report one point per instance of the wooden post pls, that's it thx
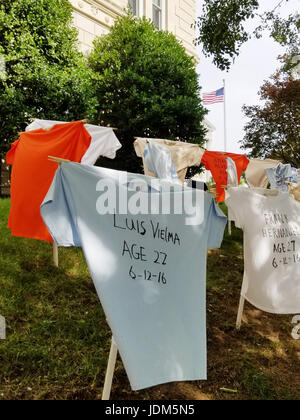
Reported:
(55, 254)
(240, 313)
(110, 371)
(229, 227)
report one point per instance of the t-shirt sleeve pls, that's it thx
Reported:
(58, 214)
(104, 143)
(217, 223)
(235, 201)
(10, 155)
(113, 145)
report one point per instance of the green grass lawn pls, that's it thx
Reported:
(58, 340)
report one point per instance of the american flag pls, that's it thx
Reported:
(213, 97)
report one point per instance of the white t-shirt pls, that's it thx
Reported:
(103, 140)
(294, 190)
(271, 226)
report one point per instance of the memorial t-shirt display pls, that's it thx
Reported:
(149, 269)
(32, 173)
(271, 224)
(216, 163)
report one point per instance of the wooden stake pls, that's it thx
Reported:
(229, 227)
(55, 255)
(57, 160)
(240, 313)
(110, 371)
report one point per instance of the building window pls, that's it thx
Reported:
(134, 7)
(137, 7)
(158, 13)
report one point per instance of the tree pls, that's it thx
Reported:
(222, 28)
(42, 72)
(146, 86)
(273, 129)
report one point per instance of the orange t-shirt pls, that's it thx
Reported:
(33, 173)
(216, 163)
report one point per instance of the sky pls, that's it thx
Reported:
(257, 61)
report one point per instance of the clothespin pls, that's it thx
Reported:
(57, 159)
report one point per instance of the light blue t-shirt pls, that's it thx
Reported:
(159, 160)
(280, 174)
(149, 269)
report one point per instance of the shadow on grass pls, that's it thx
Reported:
(58, 339)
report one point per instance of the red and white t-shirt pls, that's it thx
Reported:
(217, 164)
(32, 172)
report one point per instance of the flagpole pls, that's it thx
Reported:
(225, 122)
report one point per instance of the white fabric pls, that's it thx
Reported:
(232, 181)
(44, 124)
(294, 190)
(159, 160)
(103, 140)
(232, 178)
(271, 224)
(104, 143)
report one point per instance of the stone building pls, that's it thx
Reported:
(94, 17)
